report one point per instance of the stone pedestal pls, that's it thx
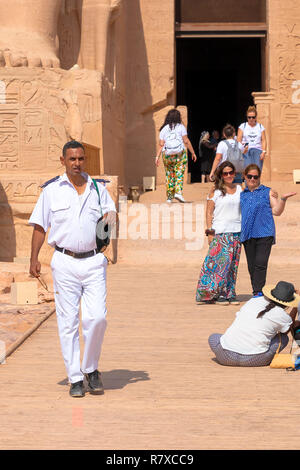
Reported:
(40, 110)
(263, 102)
(18, 196)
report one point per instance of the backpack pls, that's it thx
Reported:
(173, 143)
(235, 156)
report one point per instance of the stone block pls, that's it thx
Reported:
(149, 183)
(22, 260)
(24, 293)
(296, 176)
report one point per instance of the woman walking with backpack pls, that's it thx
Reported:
(173, 141)
(229, 150)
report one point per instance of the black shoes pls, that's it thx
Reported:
(94, 382)
(77, 390)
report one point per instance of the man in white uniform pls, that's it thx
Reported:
(69, 205)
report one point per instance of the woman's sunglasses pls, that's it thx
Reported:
(251, 117)
(249, 177)
(228, 173)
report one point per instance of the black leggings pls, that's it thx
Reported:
(257, 253)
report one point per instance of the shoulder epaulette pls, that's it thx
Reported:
(102, 180)
(49, 181)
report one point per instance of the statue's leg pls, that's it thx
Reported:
(28, 33)
(96, 15)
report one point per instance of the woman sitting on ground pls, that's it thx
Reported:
(223, 219)
(253, 339)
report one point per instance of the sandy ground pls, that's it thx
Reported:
(163, 389)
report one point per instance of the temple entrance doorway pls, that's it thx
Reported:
(215, 79)
(220, 60)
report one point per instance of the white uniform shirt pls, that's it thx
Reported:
(72, 218)
(227, 212)
(251, 335)
(223, 149)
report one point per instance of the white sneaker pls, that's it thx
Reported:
(179, 198)
(169, 201)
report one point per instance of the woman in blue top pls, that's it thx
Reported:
(258, 206)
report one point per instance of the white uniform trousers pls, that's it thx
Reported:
(74, 280)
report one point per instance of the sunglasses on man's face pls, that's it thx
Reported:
(251, 117)
(249, 177)
(228, 173)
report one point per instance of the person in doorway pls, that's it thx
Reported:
(223, 219)
(206, 155)
(259, 204)
(215, 138)
(222, 151)
(173, 141)
(259, 328)
(253, 136)
(69, 205)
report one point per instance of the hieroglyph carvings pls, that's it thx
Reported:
(288, 55)
(31, 122)
(39, 113)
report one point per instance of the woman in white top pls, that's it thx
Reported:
(223, 218)
(173, 141)
(253, 136)
(258, 329)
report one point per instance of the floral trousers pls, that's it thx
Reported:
(174, 168)
(219, 271)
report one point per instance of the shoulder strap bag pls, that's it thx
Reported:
(283, 360)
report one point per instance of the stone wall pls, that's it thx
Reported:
(149, 82)
(279, 108)
(40, 109)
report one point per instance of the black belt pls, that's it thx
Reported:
(85, 254)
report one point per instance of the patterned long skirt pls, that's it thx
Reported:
(219, 271)
(174, 168)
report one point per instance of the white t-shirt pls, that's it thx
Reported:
(252, 135)
(72, 226)
(222, 148)
(251, 335)
(227, 213)
(179, 129)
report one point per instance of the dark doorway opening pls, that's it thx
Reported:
(215, 79)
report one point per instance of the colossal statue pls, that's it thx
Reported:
(45, 99)
(97, 16)
(28, 33)
(29, 30)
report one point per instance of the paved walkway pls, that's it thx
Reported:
(163, 389)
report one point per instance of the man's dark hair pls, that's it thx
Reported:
(228, 131)
(73, 144)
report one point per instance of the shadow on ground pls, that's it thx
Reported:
(118, 378)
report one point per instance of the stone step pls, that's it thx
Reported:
(198, 191)
(152, 231)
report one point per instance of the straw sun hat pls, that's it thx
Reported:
(283, 293)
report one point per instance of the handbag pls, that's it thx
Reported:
(283, 360)
(103, 229)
